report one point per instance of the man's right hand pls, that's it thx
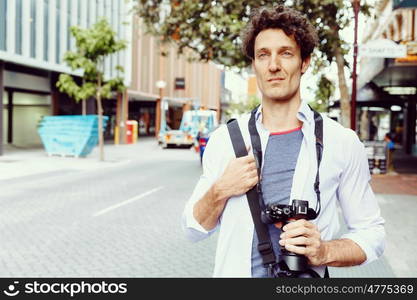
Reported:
(239, 176)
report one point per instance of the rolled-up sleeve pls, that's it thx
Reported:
(358, 202)
(193, 230)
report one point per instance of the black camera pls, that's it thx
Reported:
(290, 263)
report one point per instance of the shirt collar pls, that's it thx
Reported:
(304, 114)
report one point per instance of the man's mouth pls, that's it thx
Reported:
(276, 79)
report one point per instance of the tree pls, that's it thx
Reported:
(212, 29)
(330, 17)
(238, 108)
(323, 94)
(93, 45)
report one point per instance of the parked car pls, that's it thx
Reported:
(193, 123)
(177, 138)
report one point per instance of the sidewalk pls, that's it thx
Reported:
(17, 162)
(397, 196)
(403, 181)
(395, 184)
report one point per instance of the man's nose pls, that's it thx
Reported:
(274, 64)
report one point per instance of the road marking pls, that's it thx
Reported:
(106, 210)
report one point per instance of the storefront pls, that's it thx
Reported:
(26, 99)
(389, 68)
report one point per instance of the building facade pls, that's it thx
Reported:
(390, 83)
(35, 34)
(186, 84)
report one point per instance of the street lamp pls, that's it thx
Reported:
(160, 84)
(356, 6)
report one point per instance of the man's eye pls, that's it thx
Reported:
(261, 55)
(287, 53)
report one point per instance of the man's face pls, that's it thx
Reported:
(278, 65)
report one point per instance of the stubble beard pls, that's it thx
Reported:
(287, 97)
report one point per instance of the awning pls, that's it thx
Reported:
(141, 96)
(180, 101)
(370, 95)
(397, 75)
(404, 3)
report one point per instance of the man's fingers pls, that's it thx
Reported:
(296, 249)
(253, 173)
(298, 223)
(254, 182)
(297, 241)
(248, 159)
(296, 232)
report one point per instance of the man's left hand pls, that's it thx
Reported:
(303, 237)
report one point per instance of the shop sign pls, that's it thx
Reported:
(383, 48)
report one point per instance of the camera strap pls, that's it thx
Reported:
(254, 195)
(264, 245)
(257, 152)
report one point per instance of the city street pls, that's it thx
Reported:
(122, 218)
(120, 222)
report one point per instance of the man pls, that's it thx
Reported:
(280, 41)
(390, 148)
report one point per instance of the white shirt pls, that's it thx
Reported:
(344, 179)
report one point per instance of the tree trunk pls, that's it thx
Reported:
(344, 93)
(83, 107)
(84, 103)
(100, 129)
(100, 122)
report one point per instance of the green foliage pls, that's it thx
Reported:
(93, 46)
(242, 107)
(323, 93)
(212, 28)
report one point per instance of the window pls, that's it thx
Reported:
(33, 28)
(68, 25)
(88, 14)
(18, 27)
(3, 24)
(57, 32)
(79, 13)
(45, 29)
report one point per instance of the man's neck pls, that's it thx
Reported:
(280, 115)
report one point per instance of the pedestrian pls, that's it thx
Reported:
(390, 148)
(279, 41)
(373, 130)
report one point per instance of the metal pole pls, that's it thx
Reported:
(356, 5)
(1, 105)
(158, 113)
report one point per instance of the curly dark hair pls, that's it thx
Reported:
(292, 22)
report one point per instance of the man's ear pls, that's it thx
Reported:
(305, 64)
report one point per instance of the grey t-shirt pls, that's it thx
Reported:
(279, 164)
